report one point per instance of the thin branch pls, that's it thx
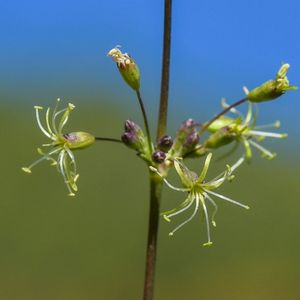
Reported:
(108, 139)
(223, 112)
(138, 94)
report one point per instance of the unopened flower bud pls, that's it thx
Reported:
(272, 89)
(134, 136)
(192, 140)
(221, 122)
(158, 156)
(130, 126)
(188, 124)
(220, 138)
(127, 67)
(165, 143)
(79, 140)
(128, 138)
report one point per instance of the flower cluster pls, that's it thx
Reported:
(188, 142)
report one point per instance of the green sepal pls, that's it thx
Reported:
(220, 138)
(223, 121)
(131, 74)
(78, 140)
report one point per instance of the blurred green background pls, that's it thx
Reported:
(93, 246)
(54, 247)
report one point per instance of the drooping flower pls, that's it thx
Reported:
(61, 144)
(199, 192)
(242, 130)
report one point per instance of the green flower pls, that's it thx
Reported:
(61, 144)
(199, 193)
(272, 89)
(242, 130)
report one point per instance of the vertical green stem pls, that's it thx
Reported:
(155, 181)
(155, 195)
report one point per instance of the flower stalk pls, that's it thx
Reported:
(155, 181)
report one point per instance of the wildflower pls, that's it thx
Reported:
(61, 144)
(272, 89)
(242, 130)
(199, 193)
(127, 67)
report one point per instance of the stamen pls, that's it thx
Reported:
(209, 242)
(72, 157)
(65, 117)
(37, 108)
(267, 134)
(48, 123)
(61, 166)
(227, 199)
(249, 114)
(187, 205)
(189, 219)
(205, 168)
(276, 124)
(167, 182)
(41, 152)
(248, 151)
(237, 164)
(265, 152)
(45, 157)
(215, 209)
(54, 116)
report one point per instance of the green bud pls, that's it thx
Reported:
(221, 122)
(272, 89)
(127, 67)
(220, 138)
(79, 140)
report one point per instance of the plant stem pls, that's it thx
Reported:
(206, 125)
(155, 181)
(108, 139)
(165, 72)
(138, 94)
(155, 195)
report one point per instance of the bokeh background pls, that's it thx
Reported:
(53, 247)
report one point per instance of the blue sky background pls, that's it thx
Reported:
(56, 48)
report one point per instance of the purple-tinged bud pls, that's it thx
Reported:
(130, 126)
(128, 138)
(188, 124)
(192, 140)
(133, 137)
(165, 143)
(158, 156)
